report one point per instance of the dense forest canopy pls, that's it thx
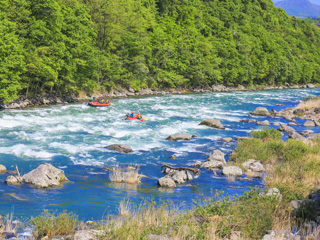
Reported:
(64, 46)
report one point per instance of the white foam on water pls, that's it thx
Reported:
(28, 151)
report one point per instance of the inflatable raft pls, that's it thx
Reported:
(97, 104)
(135, 117)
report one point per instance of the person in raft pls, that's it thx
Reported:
(132, 115)
(128, 115)
(139, 116)
(107, 101)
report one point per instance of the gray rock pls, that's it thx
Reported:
(2, 168)
(166, 182)
(274, 192)
(253, 165)
(120, 148)
(261, 111)
(90, 234)
(310, 85)
(314, 135)
(263, 123)
(14, 180)
(181, 176)
(158, 237)
(306, 132)
(295, 135)
(212, 123)
(45, 176)
(295, 204)
(280, 235)
(216, 155)
(252, 121)
(232, 171)
(276, 124)
(284, 128)
(227, 139)
(211, 165)
(292, 124)
(299, 111)
(273, 112)
(179, 137)
(309, 124)
(250, 173)
(316, 123)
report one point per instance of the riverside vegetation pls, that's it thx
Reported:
(292, 167)
(66, 46)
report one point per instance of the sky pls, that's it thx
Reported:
(313, 1)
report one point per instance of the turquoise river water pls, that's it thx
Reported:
(72, 138)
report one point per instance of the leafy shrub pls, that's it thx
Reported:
(48, 224)
(266, 133)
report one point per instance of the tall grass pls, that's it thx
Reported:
(310, 103)
(125, 175)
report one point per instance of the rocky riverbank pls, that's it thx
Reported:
(48, 99)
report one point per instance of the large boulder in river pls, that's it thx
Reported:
(212, 123)
(120, 148)
(166, 182)
(45, 176)
(214, 161)
(285, 128)
(2, 168)
(232, 171)
(263, 123)
(309, 124)
(179, 137)
(216, 155)
(261, 111)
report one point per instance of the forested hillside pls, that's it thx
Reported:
(64, 46)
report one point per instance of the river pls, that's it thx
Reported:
(72, 138)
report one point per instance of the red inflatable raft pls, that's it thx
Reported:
(135, 117)
(97, 104)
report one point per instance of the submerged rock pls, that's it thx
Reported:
(120, 148)
(232, 171)
(45, 176)
(179, 137)
(261, 111)
(212, 123)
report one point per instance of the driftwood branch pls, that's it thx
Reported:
(195, 171)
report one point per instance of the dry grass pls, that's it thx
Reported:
(124, 208)
(309, 104)
(7, 225)
(125, 175)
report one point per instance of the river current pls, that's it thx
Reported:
(72, 138)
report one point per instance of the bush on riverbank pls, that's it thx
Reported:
(293, 165)
(50, 224)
